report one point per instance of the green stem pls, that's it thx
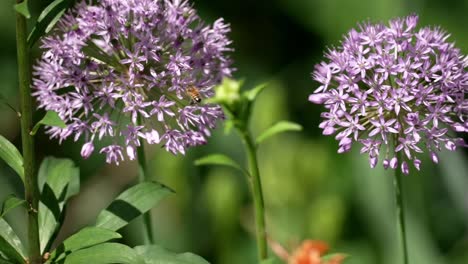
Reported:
(30, 185)
(142, 175)
(257, 195)
(400, 206)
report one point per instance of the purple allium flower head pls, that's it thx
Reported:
(120, 69)
(394, 89)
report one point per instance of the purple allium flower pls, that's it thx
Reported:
(394, 89)
(120, 69)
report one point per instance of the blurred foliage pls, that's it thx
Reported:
(310, 190)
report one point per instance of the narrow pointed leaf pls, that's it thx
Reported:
(132, 203)
(219, 159)
(280, 127)
(86, 237)
(47, 19)
(253, 93)
(10, 154)
(23, 9)
(56, 178)
(10, 244)
(10, 203)
(51, 118)
(154, 254)
(104, 254)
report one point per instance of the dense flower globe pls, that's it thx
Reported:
(132, 70)
(394, 89)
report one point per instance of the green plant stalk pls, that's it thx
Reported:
(400, 208)
(256, 193)
(30, 185)
(142, 172)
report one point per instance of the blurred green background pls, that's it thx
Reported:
(310, 190)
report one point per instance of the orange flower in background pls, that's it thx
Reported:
(309, 252)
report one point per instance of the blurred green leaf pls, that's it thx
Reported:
(228, 126)
(132, 203)
(154, 254)
(280, 127)
(10, 203)
(103, 254)
(10, 154)
(219, 159)
(10, 244)
(51, 118)
(254, 92)
(86, 237)
(269, 261)
(58, 180)
(23, 9)
(47, 19)
(454, 170)
(329, 257)
(4, 261)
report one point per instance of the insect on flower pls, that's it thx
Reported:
(117, 71)
(194, 94)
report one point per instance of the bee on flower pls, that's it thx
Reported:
(117, 71)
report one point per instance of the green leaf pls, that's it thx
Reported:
(86, 237)
(254, 92)
(103, 254)
(154, 254)
(228, 126)
(10, 244)
(47, 19)
(51, 118)
(4, 261)
(269, 261)
(454, 167)
(335, 255)
(57, 182)
(132, 203)
(280, 127)
(11, 156)
(219, 159)
(23, 9)
(10, 203)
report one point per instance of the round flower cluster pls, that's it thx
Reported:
(394, 89)
(133, 71)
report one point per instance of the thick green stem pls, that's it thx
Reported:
(400, 208)
(30, 185)
(257, 195)
(142, 172)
